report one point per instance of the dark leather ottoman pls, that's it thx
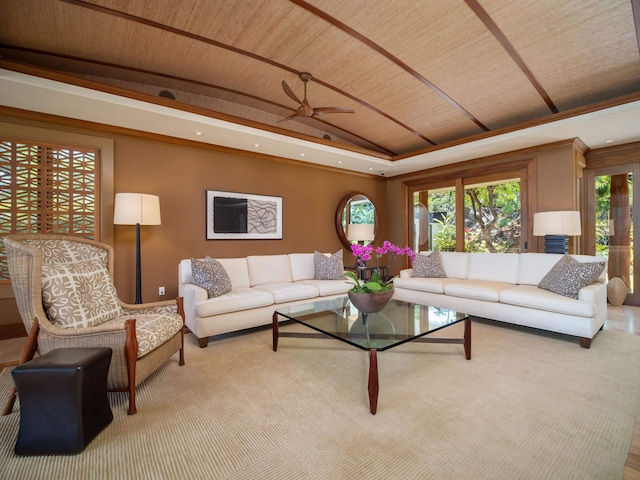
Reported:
(63, 400)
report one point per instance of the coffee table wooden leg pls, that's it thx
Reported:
(274, 329)
(373, 381)
(467, 338)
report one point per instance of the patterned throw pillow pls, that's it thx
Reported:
(568, 276)
(328, 268)
(210, 275)
(77, 295)
(428, 266)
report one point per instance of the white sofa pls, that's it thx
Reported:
(504, 287)
(260, 284)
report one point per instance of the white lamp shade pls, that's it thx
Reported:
(133, 208)
(556, 223)
(360, 232)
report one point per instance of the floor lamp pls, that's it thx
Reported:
(556, 228)
(137, 209)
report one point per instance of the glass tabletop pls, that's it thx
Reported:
(397, 323)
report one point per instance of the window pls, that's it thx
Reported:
(492, 217)
(475, 210)
(47, 188)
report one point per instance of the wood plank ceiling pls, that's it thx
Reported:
(417, 73)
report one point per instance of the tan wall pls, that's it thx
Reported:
(180, 175)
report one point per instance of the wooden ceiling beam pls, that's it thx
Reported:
(635, 6)
(374, 46)
(199, 38)
(485, 18)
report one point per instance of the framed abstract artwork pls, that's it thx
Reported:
(243, 216)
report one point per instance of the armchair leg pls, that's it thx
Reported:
(180, 302)
(28, 351)
(131, 354)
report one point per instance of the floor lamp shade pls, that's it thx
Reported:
(556, 227)
(137, 209)
(133, 208)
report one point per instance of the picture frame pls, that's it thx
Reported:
(243, 216)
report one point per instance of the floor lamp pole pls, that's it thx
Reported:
(138, 276)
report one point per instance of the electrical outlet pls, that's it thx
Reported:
(161, 291)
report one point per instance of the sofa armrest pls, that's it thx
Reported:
(596, 293)
(593, 293)
(406, 273)
(193, 294)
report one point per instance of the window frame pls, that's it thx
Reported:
(524, 169)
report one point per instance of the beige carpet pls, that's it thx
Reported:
(527, 406)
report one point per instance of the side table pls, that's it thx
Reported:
(63, 400)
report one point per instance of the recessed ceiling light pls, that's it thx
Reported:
(198, 133)
(609, 141)
(302, 154)
(340, 162)
(256, 145)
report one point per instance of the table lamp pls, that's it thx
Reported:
(556, 228)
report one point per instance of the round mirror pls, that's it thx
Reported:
(356, 208)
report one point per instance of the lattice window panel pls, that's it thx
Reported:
(47, 188)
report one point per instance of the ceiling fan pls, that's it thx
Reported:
(306, 110)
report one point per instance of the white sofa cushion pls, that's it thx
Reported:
(269, 269)
(534, 266)
(455, 264)
(329, 287)
(493, 267)
(237, 299)
(476, 289)
(289, 292)
(423, 284)
(302, 266)
(533, 297)
(238, 271)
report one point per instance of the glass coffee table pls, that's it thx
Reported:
(398, 323)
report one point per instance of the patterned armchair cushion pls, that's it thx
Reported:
(67, 251)
(210, 275)
(152, 330)
(77, 295)
(328, 268)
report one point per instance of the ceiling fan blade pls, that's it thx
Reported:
(298, 113)
(325, 110)
(289, 92)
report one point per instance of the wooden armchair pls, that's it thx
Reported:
(64, 290)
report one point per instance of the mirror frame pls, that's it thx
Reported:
(342, 235)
